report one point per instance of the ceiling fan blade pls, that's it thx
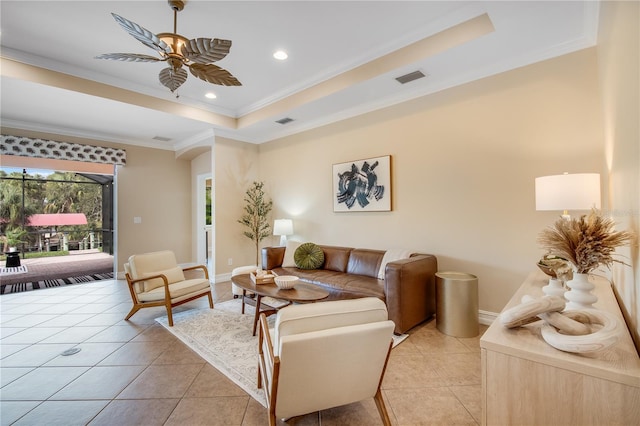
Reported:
(129, 57)
(206, 50)
(173, 78)
(143, 35)
(214, 74)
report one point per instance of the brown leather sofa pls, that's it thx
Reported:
(408, 289)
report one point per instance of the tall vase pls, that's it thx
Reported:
(579, 295)
(554, 288)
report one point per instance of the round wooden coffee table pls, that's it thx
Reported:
(301, 293)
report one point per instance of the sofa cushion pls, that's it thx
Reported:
(365, 262)
(289, 252)
(308, 256)
(336, 258)
(178, 290)
(173, 275)
(338, 284)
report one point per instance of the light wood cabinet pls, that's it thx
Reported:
(525, 381)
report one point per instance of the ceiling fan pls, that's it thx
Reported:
(178, 51)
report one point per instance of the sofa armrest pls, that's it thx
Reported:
(410, 290)
(272, 257)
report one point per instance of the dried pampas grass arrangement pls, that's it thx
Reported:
(586, 242)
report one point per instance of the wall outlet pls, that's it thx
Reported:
(137, 219)
(230, 262)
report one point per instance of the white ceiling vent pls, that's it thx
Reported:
(161, 138)
(284, 120)
(404, 79)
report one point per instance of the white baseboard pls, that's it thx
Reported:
(223, 277)
(486, 317)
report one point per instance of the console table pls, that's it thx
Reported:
(525, 381)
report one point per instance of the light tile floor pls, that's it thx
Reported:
(136, 372)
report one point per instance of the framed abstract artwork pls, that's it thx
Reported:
(362, 185)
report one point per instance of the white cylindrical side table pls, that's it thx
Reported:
(457, 304)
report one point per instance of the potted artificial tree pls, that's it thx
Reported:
(256, 210)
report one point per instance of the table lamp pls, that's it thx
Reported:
(283, 227)
(579, 191)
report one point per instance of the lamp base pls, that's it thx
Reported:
(283, 240)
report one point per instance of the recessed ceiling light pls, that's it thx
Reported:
(210, 95)
(280, 55)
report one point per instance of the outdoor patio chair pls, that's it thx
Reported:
(156, 279)
(323, 355)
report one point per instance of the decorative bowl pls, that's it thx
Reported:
(285, 282)
(547, 269)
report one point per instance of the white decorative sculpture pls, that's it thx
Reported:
(528, 311)
(597, 341)
(580, 295)
(554, 288)
(575, 331)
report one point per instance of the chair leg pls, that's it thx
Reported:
(257, 314)
(133, 310)
(210, 300)
(381, 408)
(170, 316)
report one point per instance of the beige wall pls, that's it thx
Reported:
(619, 59)
(236, 167)
(463, 168)
(155, 187)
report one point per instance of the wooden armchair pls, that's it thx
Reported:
(324, 355)
(156, 279)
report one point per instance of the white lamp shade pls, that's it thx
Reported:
(580, 191)
(283, 227)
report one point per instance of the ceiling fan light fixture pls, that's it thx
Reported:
(175, 41)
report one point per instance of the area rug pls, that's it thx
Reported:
(223, 337)
(13, 270)
(36, 285)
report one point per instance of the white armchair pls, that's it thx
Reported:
(324, 355)
(156, 279)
